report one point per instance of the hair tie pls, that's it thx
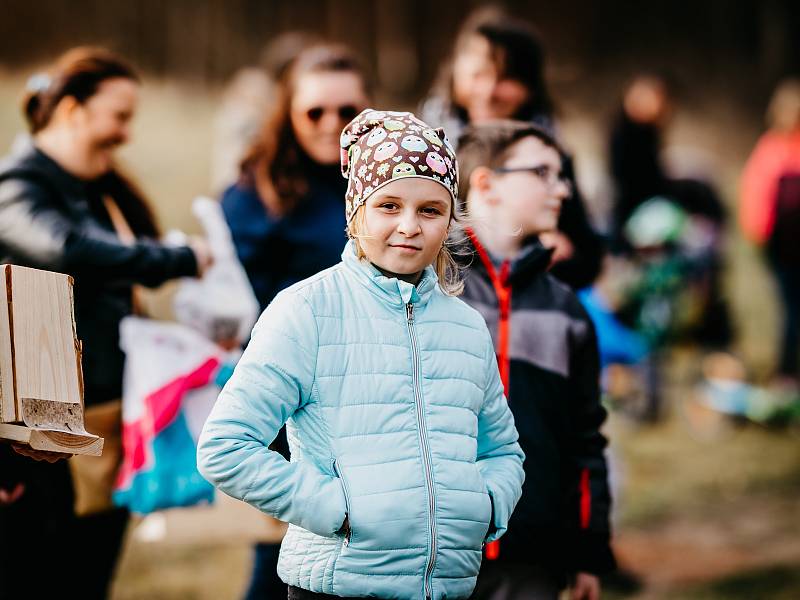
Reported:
(38, 83)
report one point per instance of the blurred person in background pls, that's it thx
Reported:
(246, 99)
(65, 206)
(497, 72)
(286, 210)
(640, 175)
(635, 148)
(769, 212)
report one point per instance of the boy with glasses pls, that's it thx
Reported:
(513, 189)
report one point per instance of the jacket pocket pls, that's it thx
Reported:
(488, 505)
(348, 532)
(490, 528)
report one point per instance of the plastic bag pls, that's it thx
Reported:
(221, 305)
(172, 378)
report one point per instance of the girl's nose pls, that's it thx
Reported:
(409, 225)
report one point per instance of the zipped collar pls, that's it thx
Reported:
(533, 260)
(390, 290)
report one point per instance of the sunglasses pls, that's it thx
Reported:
(346, 112)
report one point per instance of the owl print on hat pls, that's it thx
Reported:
(379, 146)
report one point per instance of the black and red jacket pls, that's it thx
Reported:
(548, 359)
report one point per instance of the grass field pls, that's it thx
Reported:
(693, 520)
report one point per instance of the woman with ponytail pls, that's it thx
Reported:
(65, 206)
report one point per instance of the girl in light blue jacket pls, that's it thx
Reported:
(404, 453)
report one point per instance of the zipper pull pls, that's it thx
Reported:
(410, 312)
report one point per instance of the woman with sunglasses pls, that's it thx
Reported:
(286, 211)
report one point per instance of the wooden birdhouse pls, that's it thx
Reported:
(41, 384)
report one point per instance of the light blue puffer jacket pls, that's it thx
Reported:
(395, 417)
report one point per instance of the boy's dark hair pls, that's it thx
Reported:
(487, 144)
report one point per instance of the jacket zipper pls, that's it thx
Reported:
(423, 434)
(349, 531)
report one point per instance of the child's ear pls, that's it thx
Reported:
(481, 180)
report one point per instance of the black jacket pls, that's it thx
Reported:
(583, 267)
(562, 521)
(52, 220)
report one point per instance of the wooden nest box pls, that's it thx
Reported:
(41, 383)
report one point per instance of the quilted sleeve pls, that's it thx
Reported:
(272, 380)
(499, 455)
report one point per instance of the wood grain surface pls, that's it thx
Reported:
(53, 441)
(8, 408)
(44, 336)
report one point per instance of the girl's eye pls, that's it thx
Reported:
(388, 206)
(430, 210)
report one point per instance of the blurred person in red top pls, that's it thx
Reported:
(769, 211)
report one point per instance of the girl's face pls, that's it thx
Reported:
(406, 222)
(101, 125)
(322, 104)
(480, 86)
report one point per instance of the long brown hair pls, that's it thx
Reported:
(78, 74)
(518, 54)
(273, 163)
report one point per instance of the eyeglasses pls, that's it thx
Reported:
(345, 112)
(548, 176)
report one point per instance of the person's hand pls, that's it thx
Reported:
(560, 244)
(50, 457)
(586, 587)
(10, 496)
(229, 343)
(202, 253)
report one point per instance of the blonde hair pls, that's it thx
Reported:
(447, 270)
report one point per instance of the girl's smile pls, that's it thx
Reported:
(406, 248)
(405, 224)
